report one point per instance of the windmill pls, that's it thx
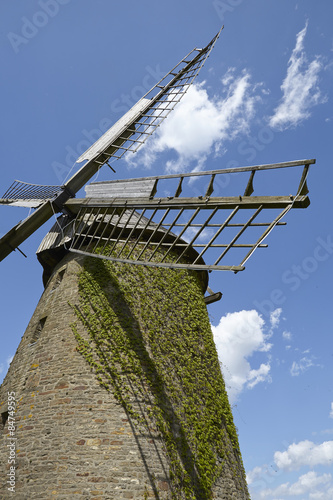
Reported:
(118, 389)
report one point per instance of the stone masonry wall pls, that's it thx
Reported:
(79, 435)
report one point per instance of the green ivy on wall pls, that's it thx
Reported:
(150, 343)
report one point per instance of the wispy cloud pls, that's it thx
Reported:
(275, 318)
(203, 124)
(286, 335)
(301, 366)
(238, 336)
(300, 87)
(331, 413)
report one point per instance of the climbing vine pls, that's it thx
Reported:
(149, 340)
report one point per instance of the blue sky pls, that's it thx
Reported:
(71, 68)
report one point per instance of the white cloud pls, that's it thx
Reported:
(287, 336)
(275, 318)
(300, 367)
(8, 361)
(238, 336)
(308, 484)
(322, 495)
(201, 124)
(300, 88)
(205, 235)
(331, 413)
(255, 474)
(304, 453)
(327, 431)
(259, 375)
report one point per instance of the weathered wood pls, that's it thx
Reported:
(23, 230)
(214, 297)
(115, 131)
(244, 202)
(135, 189)
(132, 190)
(270, 166)
(21, 203)
(194, 267)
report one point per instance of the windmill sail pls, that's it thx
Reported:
(152, 109)
(128, 221)
(24, 194)
(128, 134)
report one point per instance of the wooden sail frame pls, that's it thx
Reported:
(113, 223)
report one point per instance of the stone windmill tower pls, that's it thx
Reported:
(115, 391)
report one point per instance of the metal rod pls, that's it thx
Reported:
(17, 248)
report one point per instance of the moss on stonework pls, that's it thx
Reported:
(151, 345)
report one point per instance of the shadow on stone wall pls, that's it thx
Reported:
(147, 337)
